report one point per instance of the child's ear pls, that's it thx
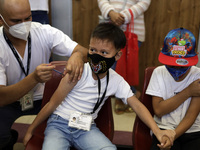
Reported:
(118, 55)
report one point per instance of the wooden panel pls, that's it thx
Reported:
(85, 19)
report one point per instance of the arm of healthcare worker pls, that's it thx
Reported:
(12, 93)
(76, 62)
(61, 92)
(146, 117)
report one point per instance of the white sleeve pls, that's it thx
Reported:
(154, 87)
(2, 75)
(3, 58)
(105, 8)
(59, 42)
(138, 9)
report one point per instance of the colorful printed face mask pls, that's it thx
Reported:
(100, 64)
(177, 73)
(20, 30)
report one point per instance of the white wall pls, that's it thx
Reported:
(61, 18)
(61, 15)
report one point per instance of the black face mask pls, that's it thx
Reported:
(100, 64)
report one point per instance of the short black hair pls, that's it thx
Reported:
(110, 32)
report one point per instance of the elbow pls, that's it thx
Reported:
(158, 113)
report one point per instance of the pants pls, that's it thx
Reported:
(40, 16)
(59, 136)
(187, 141)
(9, 114)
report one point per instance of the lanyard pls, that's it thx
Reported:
(99, 101)
(17, 56)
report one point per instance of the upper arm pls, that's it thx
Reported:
(132, 101)
(63, 89)
(155, 104)
(135, 104)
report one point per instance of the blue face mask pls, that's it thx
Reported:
(177, 73)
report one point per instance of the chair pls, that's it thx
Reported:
(104, 120)
(141, 133)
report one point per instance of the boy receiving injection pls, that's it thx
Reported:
(74, 106)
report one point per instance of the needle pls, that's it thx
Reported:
(58, 72)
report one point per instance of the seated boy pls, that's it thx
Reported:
(175, 103)
(83, 99)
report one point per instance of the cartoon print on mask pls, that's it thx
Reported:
(100, 64)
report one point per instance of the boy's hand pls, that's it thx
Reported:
(194, 88)
(169, 133)
(165, 143)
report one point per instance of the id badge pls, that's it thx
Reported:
(80, 121)
(27, 101)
